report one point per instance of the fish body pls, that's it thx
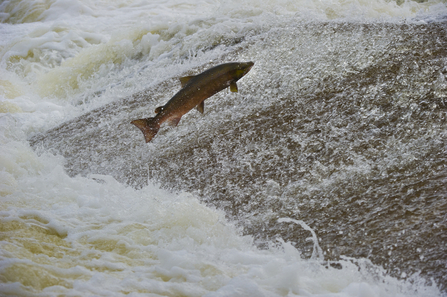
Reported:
(195, 89)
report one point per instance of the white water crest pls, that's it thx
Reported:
(76, 227)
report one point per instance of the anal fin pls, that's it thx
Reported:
(174, 121)
(201, 106)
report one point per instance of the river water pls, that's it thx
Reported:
(325, 175)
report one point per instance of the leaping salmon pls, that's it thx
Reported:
(195, 89)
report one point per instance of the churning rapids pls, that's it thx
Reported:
(340, 126)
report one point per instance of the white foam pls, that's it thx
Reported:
(95, 236)
(150, 240)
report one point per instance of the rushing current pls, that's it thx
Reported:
(324, 175)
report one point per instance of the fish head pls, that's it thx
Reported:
(242, 69)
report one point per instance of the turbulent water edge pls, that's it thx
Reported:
(342, 125)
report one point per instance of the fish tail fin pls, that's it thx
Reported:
(148, 126)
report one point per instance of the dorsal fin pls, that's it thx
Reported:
(184, 80)
(201, 106)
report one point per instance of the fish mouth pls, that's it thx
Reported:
(248, 66)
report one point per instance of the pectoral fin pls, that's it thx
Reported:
(201, 106)
(233, 86)
(184, 80)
